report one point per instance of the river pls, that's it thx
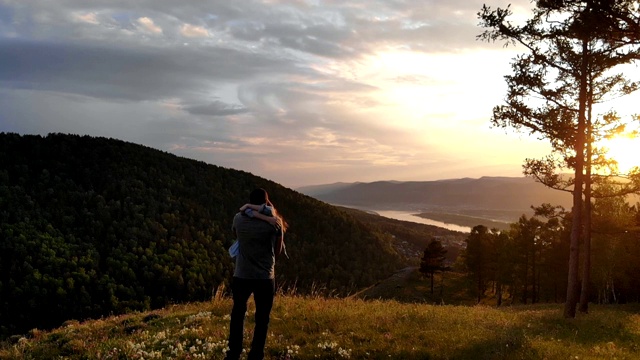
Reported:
(408, 216)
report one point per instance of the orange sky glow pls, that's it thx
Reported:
(299, 92)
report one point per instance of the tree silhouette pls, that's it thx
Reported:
(477, 258)
(573, 48)
(433, 260)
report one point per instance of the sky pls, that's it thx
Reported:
(301, 92)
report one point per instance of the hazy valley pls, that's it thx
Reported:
(489, 201)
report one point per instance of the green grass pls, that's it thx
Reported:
(326, 328)
(409, 285)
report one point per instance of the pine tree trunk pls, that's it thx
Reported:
(586, 260)
(480, 292)
(576, 211)
(525, 279)
(432, 275)
(534, 293)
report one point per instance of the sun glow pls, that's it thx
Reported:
(431, 95)
(625, 150)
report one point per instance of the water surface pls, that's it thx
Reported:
(408, 216)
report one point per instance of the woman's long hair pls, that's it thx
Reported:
(260, 196)
(281, 221)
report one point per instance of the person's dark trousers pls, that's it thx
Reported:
(263, 293)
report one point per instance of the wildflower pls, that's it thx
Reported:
(344, 353)
(327, 345)
(161, 335)
(293, 349)
(200, 315)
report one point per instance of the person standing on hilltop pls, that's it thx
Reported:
(259, 243)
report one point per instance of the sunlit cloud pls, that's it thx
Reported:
(147, 25)
(89, 18)
(192, 31)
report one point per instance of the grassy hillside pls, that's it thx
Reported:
(410, 286)
(94, 226)
(321, 328)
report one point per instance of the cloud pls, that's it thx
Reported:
(89, 18)
(147, 25)
(296, 91)
(126, 73)
(216, 108)
(192, 31)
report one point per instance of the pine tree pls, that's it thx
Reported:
(573, 48)
(433, 260)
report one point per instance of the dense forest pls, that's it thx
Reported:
(94, 226)
(528, 263)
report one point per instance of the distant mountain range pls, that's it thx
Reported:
(486, 193)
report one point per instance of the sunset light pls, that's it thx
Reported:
(625, 150)
(386, 179)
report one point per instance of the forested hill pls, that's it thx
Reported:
(497, 193)
(94, 226)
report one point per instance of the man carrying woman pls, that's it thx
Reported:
(259, 244)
